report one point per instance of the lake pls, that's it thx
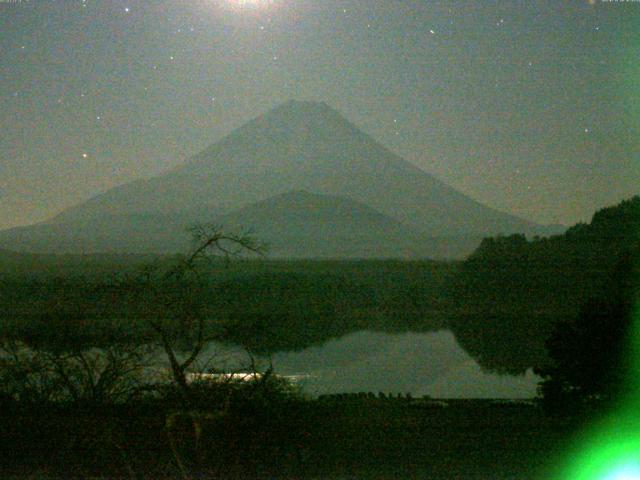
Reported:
(417, 363)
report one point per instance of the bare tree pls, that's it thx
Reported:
(209, 241)
(111, 374)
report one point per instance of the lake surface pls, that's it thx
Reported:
(417, 363)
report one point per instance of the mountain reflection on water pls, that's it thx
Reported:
(417, 363)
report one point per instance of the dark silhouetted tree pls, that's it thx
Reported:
(510, 293)
(591, 356)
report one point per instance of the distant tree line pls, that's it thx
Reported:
(561, 304)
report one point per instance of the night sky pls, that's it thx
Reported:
(532, 107)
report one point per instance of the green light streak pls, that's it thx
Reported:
(610, 450)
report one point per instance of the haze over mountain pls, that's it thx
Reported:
(358, 194)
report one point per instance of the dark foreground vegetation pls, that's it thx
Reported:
(272, 434)
(96, 355)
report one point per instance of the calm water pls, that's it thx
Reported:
(417, 363)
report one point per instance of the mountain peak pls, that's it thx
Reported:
(300, 145)
(295, 128)
(308, 106)
(296, 112)
(295, 103)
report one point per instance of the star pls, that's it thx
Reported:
(127, 9)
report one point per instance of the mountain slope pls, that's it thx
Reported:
(294, 225)
(300, 224)
(304, 146)
(296, 146)
(137, 233)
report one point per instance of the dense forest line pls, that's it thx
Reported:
(511, 291)
(501, 303)
(265, 305)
